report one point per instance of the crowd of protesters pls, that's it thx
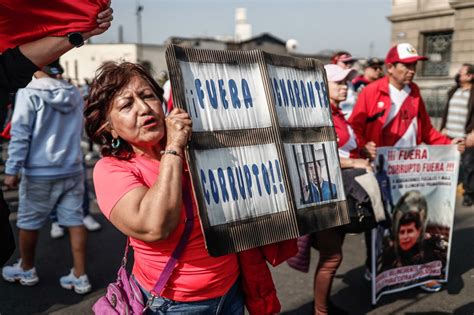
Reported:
(142, 181)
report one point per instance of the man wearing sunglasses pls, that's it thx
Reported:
(345, 60)
(372, 71)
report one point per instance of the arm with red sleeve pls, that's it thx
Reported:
(24, 21)
(41, 35)
(429, 134)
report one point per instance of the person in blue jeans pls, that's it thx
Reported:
(230, 303)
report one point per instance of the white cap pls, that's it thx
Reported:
(335, 73)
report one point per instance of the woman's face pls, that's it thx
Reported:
(337, 91)
(408, 235)
(136, 114)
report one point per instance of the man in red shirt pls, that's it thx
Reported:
(391, 111)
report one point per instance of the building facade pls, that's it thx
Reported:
(442, 30)
(81, 64)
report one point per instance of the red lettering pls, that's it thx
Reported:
(433, 167)
(413, 154)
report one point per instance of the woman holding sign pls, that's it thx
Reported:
(143, 188)
(329, 242)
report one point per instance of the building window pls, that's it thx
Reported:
(437, 47)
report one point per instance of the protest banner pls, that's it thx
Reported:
(263, 153)
(419, 189)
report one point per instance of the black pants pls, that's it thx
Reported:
(7, 241)
(467, 172)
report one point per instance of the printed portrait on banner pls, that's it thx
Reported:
(419, 190)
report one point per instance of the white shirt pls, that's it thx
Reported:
(397, 97)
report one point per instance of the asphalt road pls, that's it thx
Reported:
(350, 291)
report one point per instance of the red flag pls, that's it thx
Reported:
(23, 21)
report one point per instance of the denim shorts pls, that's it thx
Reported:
(231, 303)
(38, 197)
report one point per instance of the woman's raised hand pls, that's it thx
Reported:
(178, 129)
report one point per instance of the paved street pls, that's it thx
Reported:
(350, 290)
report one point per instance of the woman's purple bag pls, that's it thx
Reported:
(122, 296)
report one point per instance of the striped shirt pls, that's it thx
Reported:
(457, 113)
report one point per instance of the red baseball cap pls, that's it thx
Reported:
(344, 57)
(404, 53)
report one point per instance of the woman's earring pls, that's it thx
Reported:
(115, 143)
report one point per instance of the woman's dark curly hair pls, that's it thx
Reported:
(110, 79)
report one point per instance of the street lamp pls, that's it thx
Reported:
(139, 22)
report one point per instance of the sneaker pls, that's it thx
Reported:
(80, 285)
(15, 272)
(432, 286)
(367, 275)
(91, 224)
(467, 201)
(56, 230)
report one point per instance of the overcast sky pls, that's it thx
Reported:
(317, 25)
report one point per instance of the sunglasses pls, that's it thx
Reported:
(376, 67)
(350, 62)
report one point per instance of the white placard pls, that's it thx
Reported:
(419, 188)
(300, 97)
(224, 97)
(241, 183)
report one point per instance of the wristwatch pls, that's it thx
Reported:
(76, 39)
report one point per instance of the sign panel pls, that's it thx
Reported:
(241, 183)
(314, 180)
(419, 188)
(224, 97)
(300, 97)
(263, 153)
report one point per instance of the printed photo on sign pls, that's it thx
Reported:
(224, 97)
(419, 190)
(241, 182)
(314, 175)
(300, 97)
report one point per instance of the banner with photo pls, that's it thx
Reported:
(263, 153)
(419, 189)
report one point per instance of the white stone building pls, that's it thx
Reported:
(82, 63)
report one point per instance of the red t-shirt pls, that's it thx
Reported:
(197, 276)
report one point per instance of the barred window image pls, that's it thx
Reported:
(437, 47)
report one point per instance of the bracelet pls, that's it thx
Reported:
(173, 152)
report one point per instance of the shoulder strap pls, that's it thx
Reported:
(178, 251)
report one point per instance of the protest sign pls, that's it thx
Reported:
(263, 153)
(419, 189)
